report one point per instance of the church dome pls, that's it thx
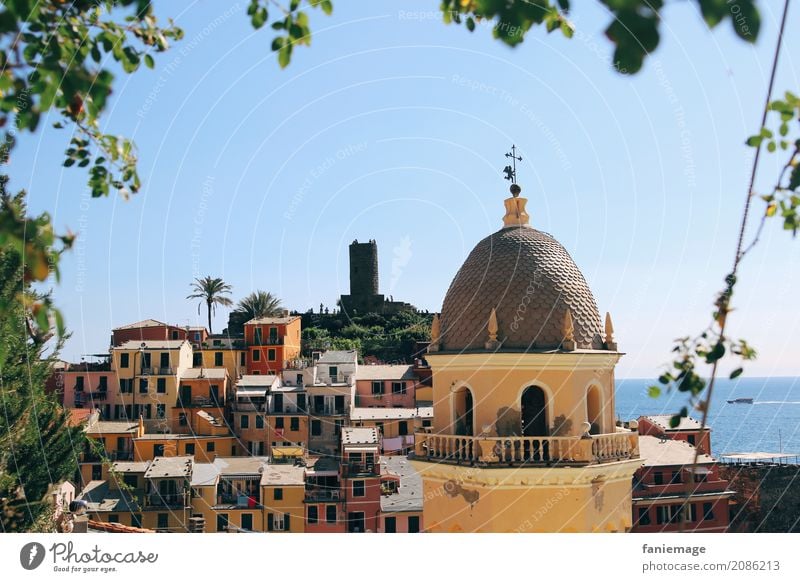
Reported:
(531, 281)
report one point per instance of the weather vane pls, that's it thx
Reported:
(511, 171)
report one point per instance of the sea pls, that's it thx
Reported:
(771, 424)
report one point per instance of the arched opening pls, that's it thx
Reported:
(534, 416)
(594, 409)
(463, 412)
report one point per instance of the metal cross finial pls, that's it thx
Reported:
(511, 171)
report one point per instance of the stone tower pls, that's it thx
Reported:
(363, 269)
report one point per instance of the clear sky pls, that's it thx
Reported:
(393, 126)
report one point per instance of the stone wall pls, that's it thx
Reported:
(767, 497)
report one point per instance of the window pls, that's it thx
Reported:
(131, 481)
(124, 360)
(294, 423)
(644, 516)
(79, 384)
(217, 358)
(189, 448)
(330, 513)
(247, 521)
(257, 336)
(286, 521)
(244, 421)
(163, 521)
(256, 355)
(277, 494)
(97, 472)
(113, 518)
(676, 477)
(136, 520)
(708, 511)
(161, 411)
(259, 421)
(398, 387)
(164, 365)
(316, 428)
(358, 489)
(413, 524)
(313, 514)
(242, 359)
(377, 387)
(690, 439)
(222, 522)
(197, 336)
(103, 384)
(161, 385)
(403, 427)
(197, 360)
(279, 422)
(174, 334)
(333, 371)
(390, 525)
(142, 386)
(213, 392)
(658, 478)
(210, 446)
(126, 385)
(271, 355)
(182, 420)
(158, 450)
(662, 514)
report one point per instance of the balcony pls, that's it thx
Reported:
(121, 455)
(513, 450)
(167, 500)
(322, 494)
(328, 411)
(269, 341)
(199, 402)
(357, 469)
(238, 500)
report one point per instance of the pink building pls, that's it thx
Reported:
(91, 386)
(386, 386)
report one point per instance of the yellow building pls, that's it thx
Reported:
(524, 436)
(222, 353)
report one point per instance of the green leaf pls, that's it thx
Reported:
(653, 391)
(794, 178)
(149, 61)
(736, 373)
(259, 18)
(754, 141)
(285, 55)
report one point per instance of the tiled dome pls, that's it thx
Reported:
(531, 280)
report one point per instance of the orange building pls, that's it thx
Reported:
(271, 343)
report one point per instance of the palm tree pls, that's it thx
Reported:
(259, 304)
(212, 291)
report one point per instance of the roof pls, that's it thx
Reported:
(519, 266)
(77, 416)
(359, 436)
(390, 413)
(656, 452)
(143, 323)
(130, 466)
(272, 320)
(152, 344)
(385, 372)
(112, 427)
(283, 475)
(339, 357)
(256, 380)
(210, 373)
(101, 498)
(686, 423)
(204, 474)
(101, 526)
(758, 456)
(228, 466)
(169, 467)
(409, 495)
(171, 436)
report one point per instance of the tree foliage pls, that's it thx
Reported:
(211, 291)
(37, 447)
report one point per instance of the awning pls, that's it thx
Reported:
(283, 452)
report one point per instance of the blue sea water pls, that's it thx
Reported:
(770, 424)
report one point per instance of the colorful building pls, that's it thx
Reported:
(688, 430)
(401, 497)
(153, 330)
(667, 476)
(523, 396)
(271, 342)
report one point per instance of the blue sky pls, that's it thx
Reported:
(393, 126)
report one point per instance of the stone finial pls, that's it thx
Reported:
(436, 334)
(493, 328)
(611, 343)
(568, 332)
(516, 215)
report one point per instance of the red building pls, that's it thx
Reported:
(361, 479)
(152, 330)
(272, 342)
(667, 475)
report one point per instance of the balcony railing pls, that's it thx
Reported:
(352, 469)
(166, 500)
(121, 455)
(328, 411)
(515, 450)
(322, 494)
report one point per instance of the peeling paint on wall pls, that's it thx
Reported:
(509, 422)
(454, 489)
